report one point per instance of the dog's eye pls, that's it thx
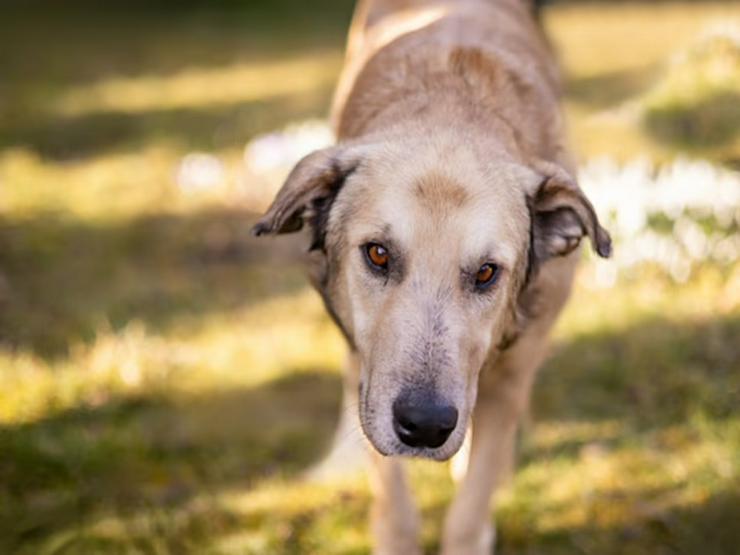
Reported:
(487, 275)
(377, 256)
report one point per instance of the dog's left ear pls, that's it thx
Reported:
(313, 183)
(562, 216)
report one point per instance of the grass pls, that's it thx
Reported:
(167, 379)
(699, 99)
(620, 62)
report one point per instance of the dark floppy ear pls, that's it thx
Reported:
(314, 181)
(562, 216)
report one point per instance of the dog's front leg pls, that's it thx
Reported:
(468, 527)
(394, 518)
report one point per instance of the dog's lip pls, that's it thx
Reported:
(398, 449)
(381, 451)
(368, 436)
(439, 454)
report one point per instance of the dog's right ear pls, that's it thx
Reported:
(315, 180)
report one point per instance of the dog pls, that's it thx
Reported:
(444, 227)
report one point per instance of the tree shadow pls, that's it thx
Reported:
(646, 378)
(157, 36)
(652, 374)
(713, 121)
(610, 88)
(639, 389)
(154, 454)
(707, 527)
(204, 128)
(64, 278)
(153, 41)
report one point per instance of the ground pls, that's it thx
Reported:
(166, 379)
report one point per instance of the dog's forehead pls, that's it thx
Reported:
(467, 218)
(444, 196)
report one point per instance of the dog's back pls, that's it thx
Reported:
(401, 49)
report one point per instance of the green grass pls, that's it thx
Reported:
(166, 379)
(697, 104)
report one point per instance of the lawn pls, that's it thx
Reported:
(167, 379)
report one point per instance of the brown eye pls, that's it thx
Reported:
(377, 255)
(487, 275)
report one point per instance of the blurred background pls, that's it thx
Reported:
(165, 380)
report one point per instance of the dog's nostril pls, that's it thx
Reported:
(446, 430)
(407, 425)
(424, 424)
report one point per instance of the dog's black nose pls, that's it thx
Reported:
(424, 424)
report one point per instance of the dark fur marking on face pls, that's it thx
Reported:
(526, 296)
(320, 208)
(335, 317)
(328, 263)
(531, 258)
(525, 308)
(508, 340)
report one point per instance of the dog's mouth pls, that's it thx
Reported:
(398, 448)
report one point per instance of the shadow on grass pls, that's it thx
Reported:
(656, 373)
(708, 527)
(156, 38)
(64, 279)
(204, 128)
(653, 382)
(91, 45)
(152, 456)
(608, 89)
(712, 122)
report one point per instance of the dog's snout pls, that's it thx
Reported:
(423, 424)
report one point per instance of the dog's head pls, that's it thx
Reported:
(421, 256)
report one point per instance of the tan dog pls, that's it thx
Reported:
(445, 224)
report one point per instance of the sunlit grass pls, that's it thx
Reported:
(241, 349)
(204, 87)
(611, 38)
(84, 189)
(714, 293)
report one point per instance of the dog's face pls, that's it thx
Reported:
(421, 259)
